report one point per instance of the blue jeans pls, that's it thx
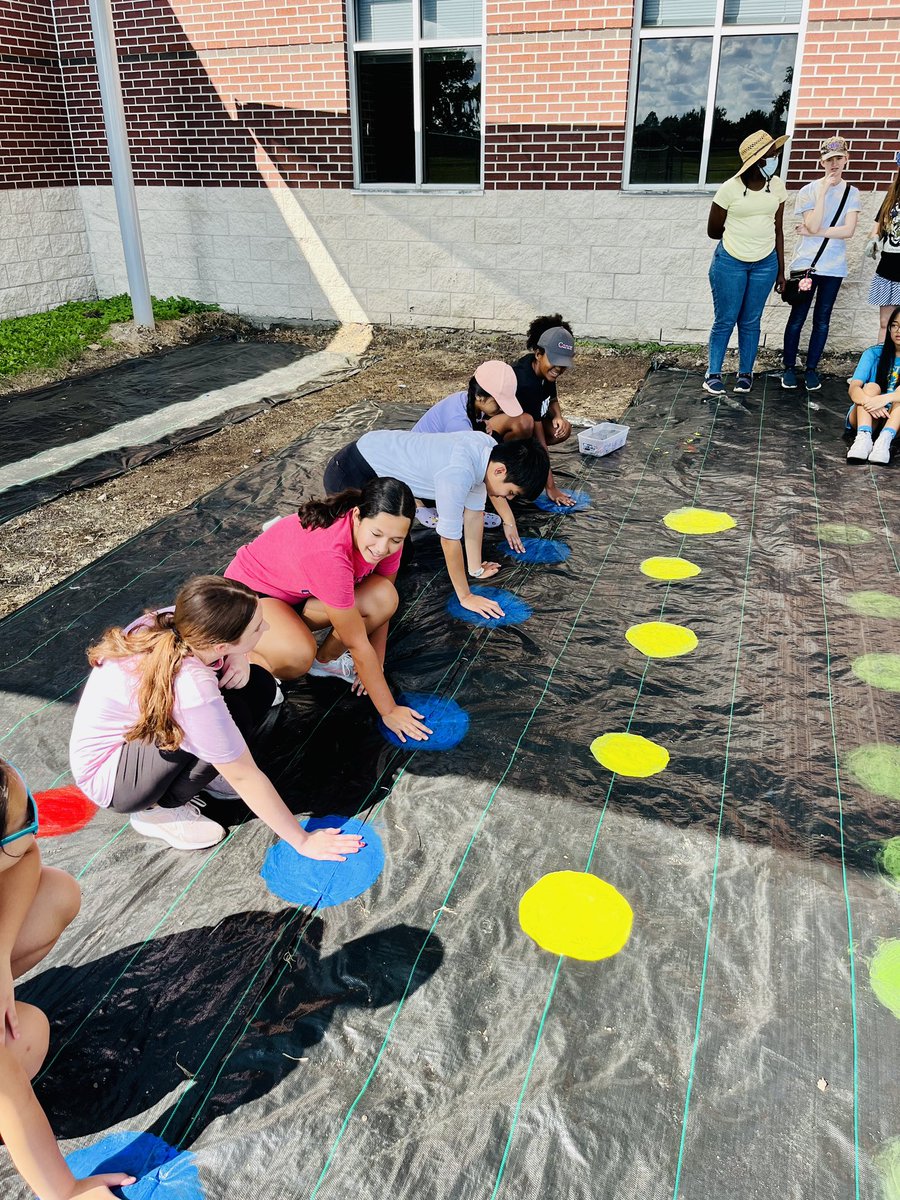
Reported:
(825, 289)
(739, 291)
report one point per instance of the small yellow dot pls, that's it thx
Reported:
(661, 639)
(669, 568)
(698, 520)
(576, 914)
(630, 754)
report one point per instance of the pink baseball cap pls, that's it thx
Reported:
(498, 379)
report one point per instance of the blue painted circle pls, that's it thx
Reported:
(582, 501)
(448, 722)
(515, 611)
(307, 881)
(538, 550)
(161, 1171)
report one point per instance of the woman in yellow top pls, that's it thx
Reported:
(745, 218)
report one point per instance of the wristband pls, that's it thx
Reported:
(477, 574)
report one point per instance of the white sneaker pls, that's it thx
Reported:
(338, 668)
(220, 789)
(185, 828)
(491, 520)
(881, 451)
(861, 448)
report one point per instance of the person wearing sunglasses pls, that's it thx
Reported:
(36, 904)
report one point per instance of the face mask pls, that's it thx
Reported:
(769, 167)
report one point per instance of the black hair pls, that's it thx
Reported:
(527, 465)
(887, 356)
(539, 327)
(476, 391)
(384, 495)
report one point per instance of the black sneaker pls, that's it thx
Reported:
(714, 385)
(743, 383)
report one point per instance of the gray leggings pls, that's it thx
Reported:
(147, 775)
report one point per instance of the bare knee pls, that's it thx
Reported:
(295, 662)
(871, 389)
(62, 896)
(379, 600)
(30, 1047)
(520, 428)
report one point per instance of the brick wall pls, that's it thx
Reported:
(35, 146)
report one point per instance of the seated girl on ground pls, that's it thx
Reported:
(332, 565)
(875, 377)
(491, 394)
(172, 703)
(36, 905)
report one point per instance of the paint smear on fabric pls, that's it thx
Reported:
(630, 754)
(538, 550)
(836, 534)
(576, 914)
(63, 810)
(669, 568)
(875, 604)
(545, 504)
(698, 520)
(887, 1164)
(162, 1172)
(300, 880)
(888, 859)
(884, 975)
(879, 670)
(448, 723)
(515, 611)
(877, 768)
(661, 639)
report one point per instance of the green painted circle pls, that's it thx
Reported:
(842, 535)
(889, 859)
(877, 768)
(880, 670)
(874, 604)
(887, 1164)
(884, 975)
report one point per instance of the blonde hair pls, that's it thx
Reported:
(209, 610)
(884, 213)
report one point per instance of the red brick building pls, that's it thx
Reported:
(447, 162)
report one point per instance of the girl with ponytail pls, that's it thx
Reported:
(332, 565)
(170, 705)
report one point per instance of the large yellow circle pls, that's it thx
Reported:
(698, 520)
(630, 754)
(669, 568)
(576, 914)
(661, 639)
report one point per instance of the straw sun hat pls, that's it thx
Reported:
(757, 146)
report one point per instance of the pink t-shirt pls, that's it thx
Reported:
(108, 709)
(291, 563)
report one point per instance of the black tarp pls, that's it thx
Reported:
(415, 1042)
(75, 410)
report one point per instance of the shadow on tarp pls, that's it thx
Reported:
(161, 1026)
(76, 409)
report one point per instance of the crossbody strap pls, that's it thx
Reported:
(834, 221)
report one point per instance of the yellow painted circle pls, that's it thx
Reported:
(576, 914)
(661, 639)
(698, 520)
(669, 568)
(630, 754)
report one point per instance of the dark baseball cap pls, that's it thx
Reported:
(559, 346)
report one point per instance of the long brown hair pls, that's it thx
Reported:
(208, 610)
(884, 213)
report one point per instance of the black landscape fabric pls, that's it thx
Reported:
(415, 1042)
(78, 409)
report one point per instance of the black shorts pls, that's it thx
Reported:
(347, 469)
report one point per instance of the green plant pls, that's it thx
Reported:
(47, 338)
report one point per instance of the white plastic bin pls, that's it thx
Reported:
(602, 439)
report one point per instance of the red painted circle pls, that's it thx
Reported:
(63, 810)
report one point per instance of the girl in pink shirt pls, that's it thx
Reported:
(332, 566)
(171, 703)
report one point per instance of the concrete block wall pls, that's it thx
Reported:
(624, 267)
(44, 254)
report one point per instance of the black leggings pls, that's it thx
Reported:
(347, 469)
(147, 775)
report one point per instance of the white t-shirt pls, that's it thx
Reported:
(446, 467)
(833, 259)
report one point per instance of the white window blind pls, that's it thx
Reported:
(451, 19)
(384, 20)
(679, 12)
(762, 12)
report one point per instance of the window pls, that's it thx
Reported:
(709, 72)
(416, 83)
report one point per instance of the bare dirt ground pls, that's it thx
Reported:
(418, 366)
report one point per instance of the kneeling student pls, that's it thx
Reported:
(332, 565)
(459, 471)
(36, 905)
(171, 703)
(875, 378)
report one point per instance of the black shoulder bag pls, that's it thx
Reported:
(793, 293)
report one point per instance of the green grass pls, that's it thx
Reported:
(642, 349)
(61, 335)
